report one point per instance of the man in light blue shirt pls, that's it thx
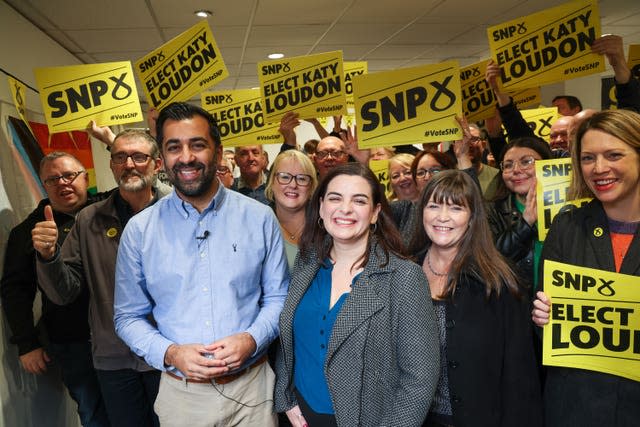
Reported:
(201, 279)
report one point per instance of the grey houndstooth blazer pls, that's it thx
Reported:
(383, 359)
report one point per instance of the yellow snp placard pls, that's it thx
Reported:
(18, 93)
(72, 96)
(240, 119)
(381, 170)
(351, 69)
(312, 86)
(409, 105)
(594, 322)
(182, 67)
(540, 120)
(548, 46)
(553, 179)
(526, 97)
(478, 100)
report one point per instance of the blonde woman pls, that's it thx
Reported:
(291, 183)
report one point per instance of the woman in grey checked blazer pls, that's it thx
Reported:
(359, 344)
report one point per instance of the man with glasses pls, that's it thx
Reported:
(62, 333)
(87, 260)
(330, 152)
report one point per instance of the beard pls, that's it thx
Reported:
(196, 187)
(140, 184)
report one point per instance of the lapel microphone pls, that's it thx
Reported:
(204, 235)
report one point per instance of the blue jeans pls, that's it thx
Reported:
(129, 396)
(79, 376)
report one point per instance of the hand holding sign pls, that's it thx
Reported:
(530, 213)
(101, 133)
(350, 139)
(491, 76)
(541, 309)
(611, 46)
(288, 123)
(45, 235)
(461, 146)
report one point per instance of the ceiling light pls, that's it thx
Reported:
(203, 13)
(275, 55)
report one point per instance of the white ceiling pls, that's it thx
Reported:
(387, 34)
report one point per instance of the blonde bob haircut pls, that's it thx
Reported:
(302, 159)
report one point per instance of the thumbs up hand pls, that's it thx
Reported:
(45, 235)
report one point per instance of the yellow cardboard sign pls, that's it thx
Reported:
(18, 92)
(478, 100)
(526, 97)
(548, 46)
(312, 86)
(72, 96)
(380, 169)
(351, 69)
(182, 67)
(408, 106)
(540, 120)
(553, 179)
(239, 117)
(594, 322)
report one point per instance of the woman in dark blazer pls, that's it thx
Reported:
(488, 372)
(359, 343)
(605, 235)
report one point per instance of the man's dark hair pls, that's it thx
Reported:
(182, 111)
(572, 101)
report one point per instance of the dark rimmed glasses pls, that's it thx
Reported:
(285, 178)
(121, 158)
(66, 178)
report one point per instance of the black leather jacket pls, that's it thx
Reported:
(514, 238)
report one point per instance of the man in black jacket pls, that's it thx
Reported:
(62, 333)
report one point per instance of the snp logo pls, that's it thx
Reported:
(218, 99)
(509, 31)
(473, 72)
(275, 68)
(88, 95)
(151, 62)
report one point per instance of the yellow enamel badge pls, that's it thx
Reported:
(112, 232)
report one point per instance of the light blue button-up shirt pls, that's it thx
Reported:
(232, 279)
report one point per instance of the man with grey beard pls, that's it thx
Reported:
(87, 259)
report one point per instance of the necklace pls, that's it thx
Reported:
(291, 236)
(431, 268)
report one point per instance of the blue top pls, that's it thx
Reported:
(312, 326)
(232, 279)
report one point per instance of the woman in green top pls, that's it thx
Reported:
(291, 183)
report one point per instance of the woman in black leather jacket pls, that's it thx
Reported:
(512, 213)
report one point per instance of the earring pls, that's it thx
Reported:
(374, 228)
(320, 223)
